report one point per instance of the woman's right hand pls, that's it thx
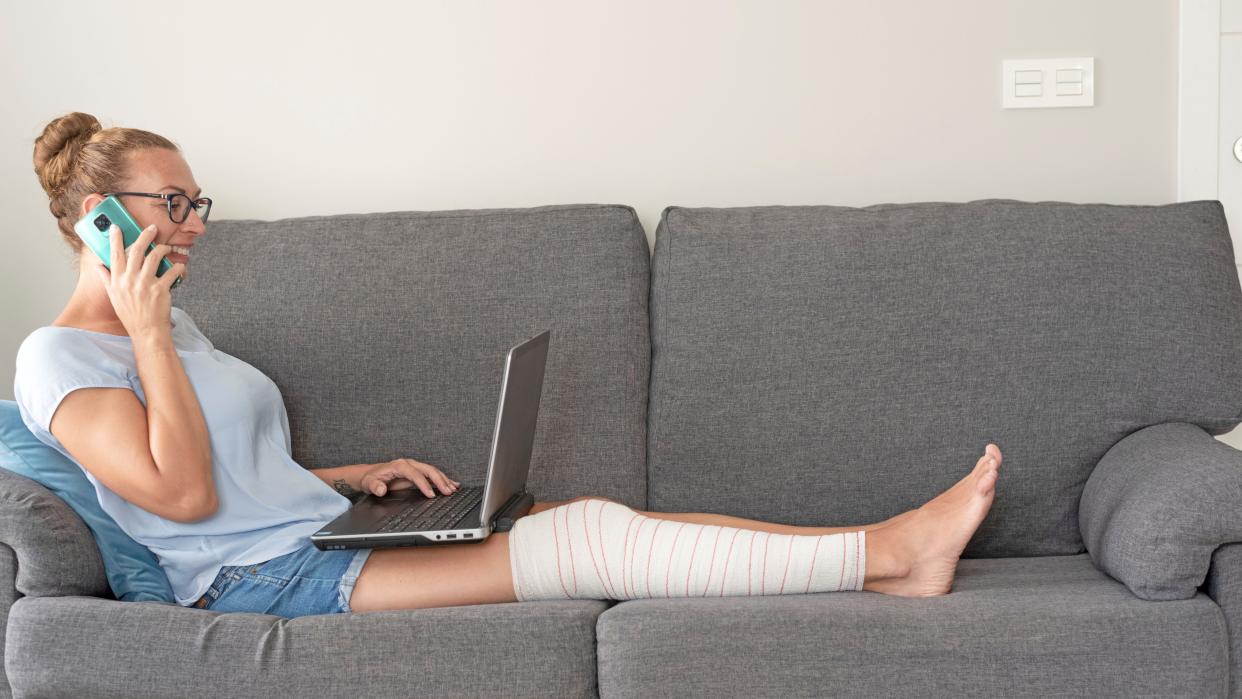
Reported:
(142, 301)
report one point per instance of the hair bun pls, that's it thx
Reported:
(56, 149)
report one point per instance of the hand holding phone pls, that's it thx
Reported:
(141, 299)
(93, 229)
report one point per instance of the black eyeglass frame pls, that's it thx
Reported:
(169, 198)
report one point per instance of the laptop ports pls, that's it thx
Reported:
(451, 536)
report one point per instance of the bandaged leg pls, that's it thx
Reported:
(597, 549)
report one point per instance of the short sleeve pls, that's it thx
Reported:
(51, 364)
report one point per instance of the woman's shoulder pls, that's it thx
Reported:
(52, 339)
(66, 338)
(55, 347)
(54, 360)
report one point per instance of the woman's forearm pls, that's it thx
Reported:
(346, 480)
(178, 435)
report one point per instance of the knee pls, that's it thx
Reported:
(600, 498)
(541, 506)
(592, 497)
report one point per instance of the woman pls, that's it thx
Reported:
(188, 449)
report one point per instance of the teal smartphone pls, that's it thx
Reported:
(93, 230)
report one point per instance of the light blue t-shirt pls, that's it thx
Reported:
(269, 504)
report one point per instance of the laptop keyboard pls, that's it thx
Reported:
(441, 512)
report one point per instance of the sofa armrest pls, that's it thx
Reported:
(1224, 586)
(46, 550)
(54, 551)
(1158, 504)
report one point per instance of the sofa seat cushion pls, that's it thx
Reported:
(88, 647)
(1038, 626)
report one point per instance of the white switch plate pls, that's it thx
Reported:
(1016, 92)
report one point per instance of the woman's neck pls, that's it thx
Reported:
(89, 307)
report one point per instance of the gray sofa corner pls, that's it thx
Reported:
(1160, 514)
(46, 550)
(811, 365)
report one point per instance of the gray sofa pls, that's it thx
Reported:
(805, 365)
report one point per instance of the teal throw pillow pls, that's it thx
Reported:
(133, 572)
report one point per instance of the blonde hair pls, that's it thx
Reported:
(75, 157)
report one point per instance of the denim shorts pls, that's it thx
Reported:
(306, 581)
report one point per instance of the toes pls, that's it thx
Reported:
(987, 481)
(980, 466)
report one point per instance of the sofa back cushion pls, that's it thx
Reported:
(133, 571)
(823, 365)
(387, 334)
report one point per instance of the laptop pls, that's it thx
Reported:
(409, 518)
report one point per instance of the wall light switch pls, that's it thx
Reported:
(1048, 82)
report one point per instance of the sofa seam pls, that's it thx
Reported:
(645, 291)
(666, 217)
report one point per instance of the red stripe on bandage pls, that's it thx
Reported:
(845, 549)
(750, 562)
(625, 554)
(634, 553)
(599, 527)
(668, 568)
(647, 573)
(786, 575)
(691, 566)
(591, 550)
(569, 541)
(858, 555)
(727, 559)
(763, 580)
(811, 572)
(710, 566)
(604, 554)
(560, 575)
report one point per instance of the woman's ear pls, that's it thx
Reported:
(91, 201)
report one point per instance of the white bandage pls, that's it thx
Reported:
(598, 549)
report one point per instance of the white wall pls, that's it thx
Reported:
(322, 107)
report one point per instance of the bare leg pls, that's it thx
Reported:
(912, 554)
(419, 577)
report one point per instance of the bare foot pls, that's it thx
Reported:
(920, 548)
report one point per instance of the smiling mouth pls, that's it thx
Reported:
(181, 250)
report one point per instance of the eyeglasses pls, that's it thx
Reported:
(179, 205)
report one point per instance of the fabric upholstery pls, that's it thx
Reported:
(1017, 627)
(1224, 586)
(387, 334)
(832, 365)
(536, 649)
(1158, 505)
(45, 550)
(8, 595)
(812, 365)
(133, 572)
(56, 554)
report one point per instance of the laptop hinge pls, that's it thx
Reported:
(518, 505)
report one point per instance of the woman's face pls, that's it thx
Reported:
(159, 171)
